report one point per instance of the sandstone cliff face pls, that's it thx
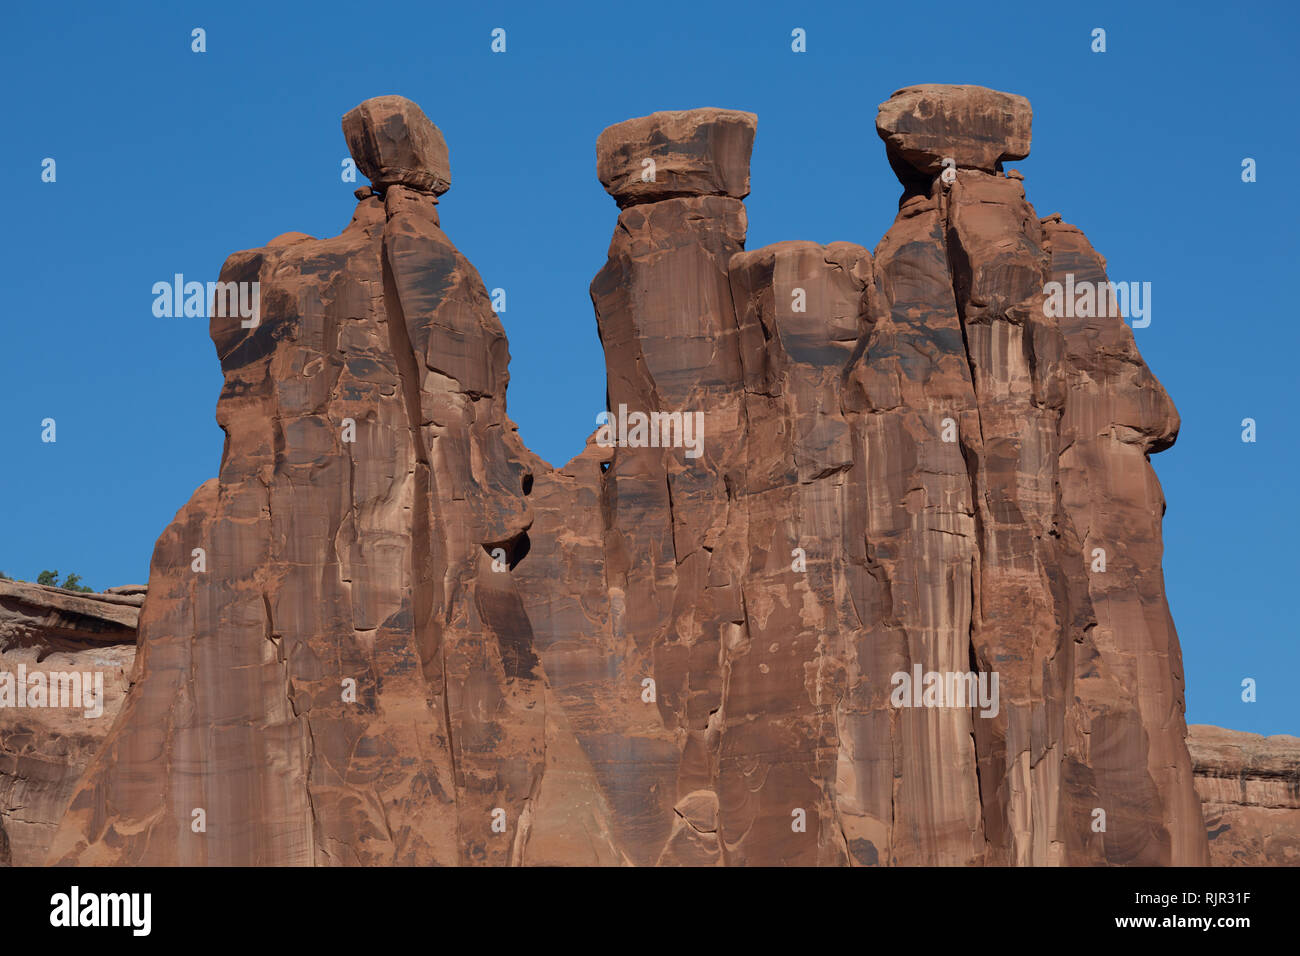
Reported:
(1249, 787)
(68, 656)
(682, 647)
(342, 679)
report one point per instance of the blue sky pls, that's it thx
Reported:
(168, 161)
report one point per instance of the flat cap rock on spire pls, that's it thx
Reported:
(975, 126)
(395, 144)
(703, 152)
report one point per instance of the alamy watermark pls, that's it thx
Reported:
(1087, 300)
(652, 430)
(130, 910)
(221, 300)
(55, 689)
(946, 689)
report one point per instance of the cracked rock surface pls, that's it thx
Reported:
(47, 635)
(415, 642)
(1249, 787)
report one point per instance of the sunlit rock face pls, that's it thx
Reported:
(65, 660)
(862, 567)
(1249, 787)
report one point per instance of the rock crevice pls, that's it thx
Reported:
(825, 473)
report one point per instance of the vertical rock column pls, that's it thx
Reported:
(916, 433)
(330, 672)
(998, 267)
(472, 480)
(664, 310)
(794, 700)
(1126, 751)
(1066, 671)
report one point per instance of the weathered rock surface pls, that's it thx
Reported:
(702, 152)
(1249, 787)
(394, 144)
(976, 127)
(48, 635)
(35, 613)
(408, 640)
(343, 679)
(129, 590)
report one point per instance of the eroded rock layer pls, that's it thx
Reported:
(65, 661)
(1249, 787)
(388, 633)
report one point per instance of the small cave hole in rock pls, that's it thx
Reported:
(516, 549)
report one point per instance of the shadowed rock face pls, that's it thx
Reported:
(685, 646)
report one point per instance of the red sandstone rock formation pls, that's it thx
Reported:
(344, 679)
(1250, 793)
(48, 635)
(683, 646)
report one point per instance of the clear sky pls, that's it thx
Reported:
(169, 160)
